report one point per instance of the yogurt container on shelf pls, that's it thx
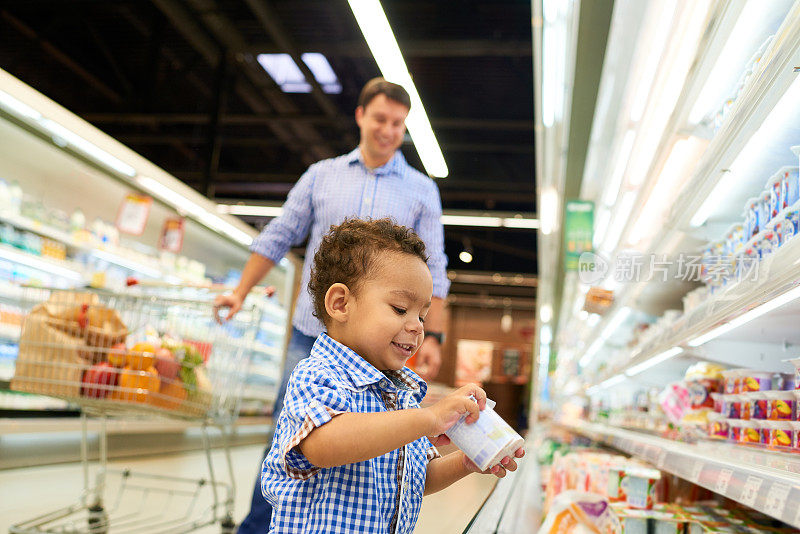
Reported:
(731, 383)
(752, 220)
(750, 433)
(734, 403)
(758, 405)
(764, 212)
(765, 245)
(752, 380)
(718, 426)
(735, 430)
(796, 363)
(773, 187)
(784, 381)
(790, 185)
(765, 429)
(486, 441)
(782, 435)
(717, 398)
(782, 405)
(789, 226)
(796, 150)
(796, 437)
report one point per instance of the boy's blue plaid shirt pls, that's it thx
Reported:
(383, 494)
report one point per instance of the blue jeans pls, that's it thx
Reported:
(257, 520)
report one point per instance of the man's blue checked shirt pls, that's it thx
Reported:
(380, 495)
(333, 189)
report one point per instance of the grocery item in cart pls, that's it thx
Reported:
(62, 337)
(486, 441)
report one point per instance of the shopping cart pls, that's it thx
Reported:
(132, 356)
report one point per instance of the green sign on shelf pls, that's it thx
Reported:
(578, 230)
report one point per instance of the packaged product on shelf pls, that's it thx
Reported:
(790, 185)
(773, 187)
(782, 405)
(616, 488)
(718, 427)
(640, 487)
(796, 150)
(758, 405)
(702, 379)
(751, 432)
(576, 512)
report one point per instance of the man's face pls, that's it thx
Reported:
(382, 125)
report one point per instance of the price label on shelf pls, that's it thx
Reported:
(662, 459)
(776, 499)
(750, 491)
(723, 479)
(697, 469)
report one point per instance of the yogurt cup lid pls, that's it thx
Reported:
(774, 179)
(788, 168)
(780, 395)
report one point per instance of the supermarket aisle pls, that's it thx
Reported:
(26, 493)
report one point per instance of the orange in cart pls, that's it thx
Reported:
(137, 385)
(170, 395)
(141, 356)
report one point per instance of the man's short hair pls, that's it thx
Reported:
(379, 86)
(348, 254)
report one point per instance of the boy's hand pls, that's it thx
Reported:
(499, 470)
(449, 410)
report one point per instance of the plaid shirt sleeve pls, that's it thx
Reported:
(294, 223)
(428, 227)
(312, 399)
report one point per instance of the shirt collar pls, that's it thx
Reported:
(360, 371)
(394, 165)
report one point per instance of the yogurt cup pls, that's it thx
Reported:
(782, 435)
(773, 187)
(732, 406)
(765, 428)
(735, 430)
(752, 380)
(486, 441)
(790, 185)
(758, 405)
(784, 382)
(730, 383)
(796, 437)
(789, 229)
(782, 405)
(718, 427)
(734, 239)
(717, 398)
(750, 433)
(764, 213)
(778, 228)
(796, 363)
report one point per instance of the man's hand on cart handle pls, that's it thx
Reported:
(233, 302)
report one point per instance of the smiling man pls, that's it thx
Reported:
(372, 181)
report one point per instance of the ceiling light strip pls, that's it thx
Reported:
(380, 38)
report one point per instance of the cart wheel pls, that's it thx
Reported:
(98, 519)
(227, 525)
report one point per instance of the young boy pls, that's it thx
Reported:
(353, 452)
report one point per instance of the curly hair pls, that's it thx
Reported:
(348, 252)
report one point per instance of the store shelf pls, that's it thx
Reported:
(768, 335)
(65, 269)
(765, 481)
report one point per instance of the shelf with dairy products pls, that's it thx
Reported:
(765, 481)
(61, 268)
(749, 318)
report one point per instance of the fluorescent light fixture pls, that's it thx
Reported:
(546, 335)
(520, 222)
(621, 216)
(751, 157)
(64, 136)
(613, 381)
(286, 73)
(546, 313)
(624, 154)
(548, 209)
(655, 360)
(13, 255)
(465, 256)
(745, 318)
(127, 263)
(253, 211)
(183, 204)
(650, 63)
(601, 226)
(323, 72)
(18, 108)
(470, 220)
(378, 34)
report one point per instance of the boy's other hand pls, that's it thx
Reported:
(506, 464)
(469, 399)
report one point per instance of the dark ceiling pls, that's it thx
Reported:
(177, 80)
